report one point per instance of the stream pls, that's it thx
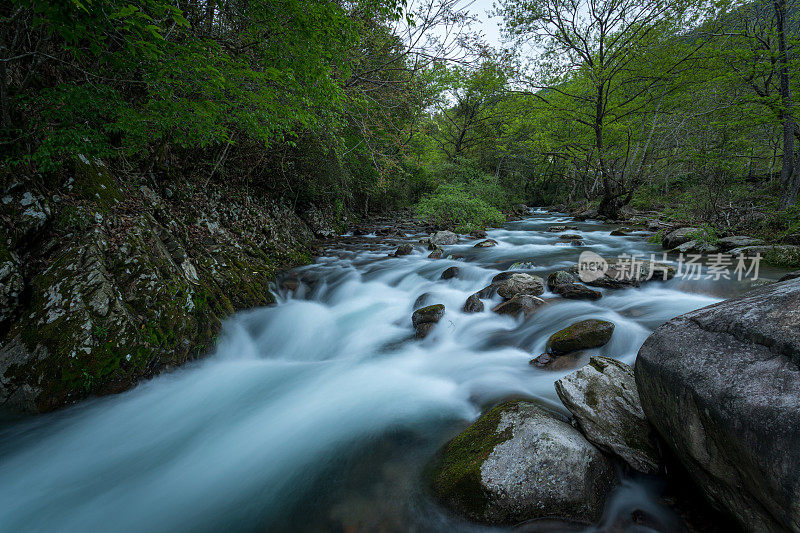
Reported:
(320, 413)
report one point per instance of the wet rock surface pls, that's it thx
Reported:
(517, 283)
(425, 318)
(122, 283)
(720, 386)
(580, 336)
(603, 398)
(519, 462)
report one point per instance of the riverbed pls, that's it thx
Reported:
(319, 413)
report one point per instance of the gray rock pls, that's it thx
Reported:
(554, 229)
(580, 336)
(576, 291)
(519, 283)
(720, 385)
(697, 247)
(488, 243)
(519, 462)
(790, 276)
(677, 237)
(473, 304)
(450, 273)
(737, 241)
(11, 285)
(403, 249)
(602, 397)
(559, 277)
(444, 238)
(520, 303)
(750, 251)
(425, 318)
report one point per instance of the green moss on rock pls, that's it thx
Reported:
(580, 336)
(455, 475)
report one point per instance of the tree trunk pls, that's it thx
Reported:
(789, 182)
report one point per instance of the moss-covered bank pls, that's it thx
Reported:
(104, 283)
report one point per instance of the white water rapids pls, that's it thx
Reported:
(319, 413)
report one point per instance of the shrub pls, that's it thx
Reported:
(454, 206)
(704, 234)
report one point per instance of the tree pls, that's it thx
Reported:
(589, 51)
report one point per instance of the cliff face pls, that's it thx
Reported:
(102, 284)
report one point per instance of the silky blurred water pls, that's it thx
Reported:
(319, 413)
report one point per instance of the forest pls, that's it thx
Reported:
(681, 107)
(376, 266)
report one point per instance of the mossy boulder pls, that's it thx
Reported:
(488, 243)
(603, 398)
(580, 336)
(520, 462)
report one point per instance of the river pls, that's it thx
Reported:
(319, 413)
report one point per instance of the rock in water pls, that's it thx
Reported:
(444, 238)
(488, 243)
(425, 318)
(520, 284)
(521, 303)
(518, 462)
(576, 291)
(403, 249)
(559, 277)
(450, 273)
(437, 253)
(473, 304)
(677, 237)
(602, 397)
(580, 336)
(720, 385)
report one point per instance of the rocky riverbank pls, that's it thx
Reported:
(716, 389)
(103, 283)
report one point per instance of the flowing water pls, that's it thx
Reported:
(319, 413)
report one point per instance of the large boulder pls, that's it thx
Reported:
(602, 397)
(720, 385)
(677, 237)
(444, 238)
(518, 462)
(518, 283)
(581, 335)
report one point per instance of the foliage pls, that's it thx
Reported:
(455, 206)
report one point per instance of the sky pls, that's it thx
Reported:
(489, 26)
